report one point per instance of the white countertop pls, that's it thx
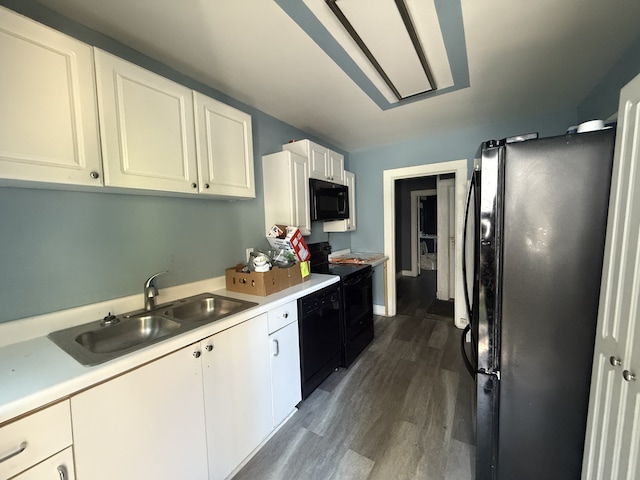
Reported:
(348, 257)
(35, 372)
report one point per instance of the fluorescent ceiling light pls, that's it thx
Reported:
(397, 43)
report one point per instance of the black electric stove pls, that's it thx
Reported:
(357, 300)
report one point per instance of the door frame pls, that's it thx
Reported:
(457, 167)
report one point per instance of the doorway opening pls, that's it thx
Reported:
(456, 192)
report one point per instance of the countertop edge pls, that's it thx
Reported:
(35, 372)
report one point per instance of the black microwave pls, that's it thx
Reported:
(329, 201)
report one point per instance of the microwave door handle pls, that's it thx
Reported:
(342, 204)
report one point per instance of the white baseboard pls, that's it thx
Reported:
(379, 310)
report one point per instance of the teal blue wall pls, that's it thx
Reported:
(369, 165)
(60, 249)
(602, 102)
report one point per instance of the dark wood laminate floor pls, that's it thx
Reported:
(403, 410)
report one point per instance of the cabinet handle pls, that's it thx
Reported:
(62, 471)
(197, 353)
(17, 451)
(615, 361)
(208, 348)
(194, 185)
(285, 315)
(628, 376)
(206, 185)
(277, 344)
(94, 174)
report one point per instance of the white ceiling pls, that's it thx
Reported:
(524, 58)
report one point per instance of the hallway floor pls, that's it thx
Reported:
(403, 410)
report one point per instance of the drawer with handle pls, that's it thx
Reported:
(58, 467)
(282, 316)
(31, 439)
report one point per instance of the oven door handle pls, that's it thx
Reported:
(360, 278)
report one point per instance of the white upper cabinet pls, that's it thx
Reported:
(76, 115)
(335, 167)
(48, 118)
(324, 164)
(349, 224)
(147, 128)
(225, 149)
(285, 178)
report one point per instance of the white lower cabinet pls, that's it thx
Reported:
(58, 467)
(148, 423)
(284, 360)
(28, 441)
(196, 413)
(237, 394)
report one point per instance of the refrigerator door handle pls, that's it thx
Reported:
(465, 286)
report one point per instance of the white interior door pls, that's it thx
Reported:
(446, 254)
(612, 442)
(415, 230)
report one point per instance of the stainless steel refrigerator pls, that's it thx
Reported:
(534, 245)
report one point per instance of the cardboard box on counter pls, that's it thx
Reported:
(289, 238)
(265, 283)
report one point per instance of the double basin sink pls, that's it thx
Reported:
(103, 340)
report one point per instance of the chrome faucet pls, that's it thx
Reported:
(151, 292)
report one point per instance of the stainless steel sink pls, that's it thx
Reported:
(100, 341)
(207, 307)
(127, 333)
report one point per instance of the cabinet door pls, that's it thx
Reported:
(285, 371)
(147, 128)
(237, 394)
(350, 223)
(148, 423)
(225, 149)
(335, 167)
(48, 118)
(318, 161)
(300, 198)
(285, 178)
(58, 467)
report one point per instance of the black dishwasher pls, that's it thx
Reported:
(319, 319)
